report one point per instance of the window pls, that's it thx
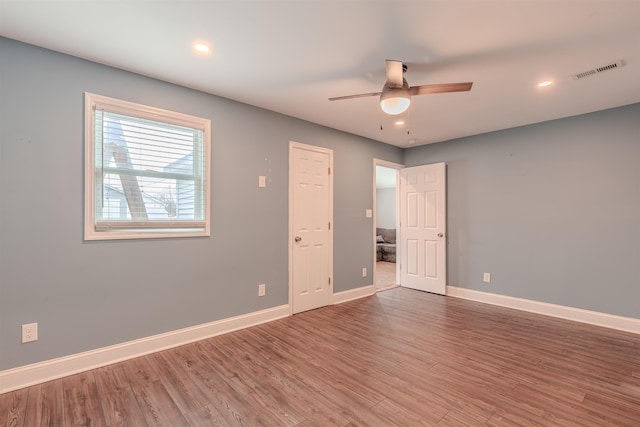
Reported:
(146, 171)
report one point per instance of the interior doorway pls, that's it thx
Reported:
(423, 229)
(386, 225)
(310, 231)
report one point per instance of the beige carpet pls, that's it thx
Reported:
(385, 275)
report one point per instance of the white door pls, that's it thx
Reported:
(423, 254)
(310, 220)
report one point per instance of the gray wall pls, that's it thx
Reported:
(386, 207)
(87, 295)
(551, 210)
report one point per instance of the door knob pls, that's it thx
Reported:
(440, 235)
(297, 239)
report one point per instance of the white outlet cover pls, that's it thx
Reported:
(29, 332)
(369, 213)
(262, 181)
(486, 277)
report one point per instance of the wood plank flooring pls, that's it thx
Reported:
(401, 357)
(385, 275)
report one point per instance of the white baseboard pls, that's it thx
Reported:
(626, 324)
(352, 294)
(24, 376)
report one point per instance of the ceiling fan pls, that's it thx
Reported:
(396, 92)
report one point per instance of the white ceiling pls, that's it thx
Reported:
(290, 56)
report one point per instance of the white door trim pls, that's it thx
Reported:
(299, 145)
(391, 165)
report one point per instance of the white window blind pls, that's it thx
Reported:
(150, 171)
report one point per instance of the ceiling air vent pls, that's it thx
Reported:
(597, 70)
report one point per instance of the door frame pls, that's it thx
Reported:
(397, 167)
(293, 145)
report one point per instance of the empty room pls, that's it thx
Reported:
(195, 228)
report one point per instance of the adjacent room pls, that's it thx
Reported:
(311, 213)
(386, 219)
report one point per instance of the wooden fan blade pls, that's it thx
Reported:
(394, 73)
(362, 95)
(441, 88)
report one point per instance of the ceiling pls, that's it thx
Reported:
(290, 56)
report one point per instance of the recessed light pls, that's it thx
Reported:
(399, 122)
(545, 83)
(201, 48)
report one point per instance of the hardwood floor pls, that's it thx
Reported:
(385, 275)
(401, 357)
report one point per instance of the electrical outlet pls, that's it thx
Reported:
(262, 181)
(29, 332)
(486, 277)
(262, 289)
(364, 271)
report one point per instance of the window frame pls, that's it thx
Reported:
(129, 229)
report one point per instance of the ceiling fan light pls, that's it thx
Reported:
(395, 101)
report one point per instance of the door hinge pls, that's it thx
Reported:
(328, 171)
(329, 280)
(329, 225)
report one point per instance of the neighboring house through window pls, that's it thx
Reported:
(146, 171)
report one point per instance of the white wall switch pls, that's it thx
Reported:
(486, 277)
(364, 271)
(262, 290)
(29, 332)
(262, 181)
(369, 213)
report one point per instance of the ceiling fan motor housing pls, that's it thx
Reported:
(395, 100)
